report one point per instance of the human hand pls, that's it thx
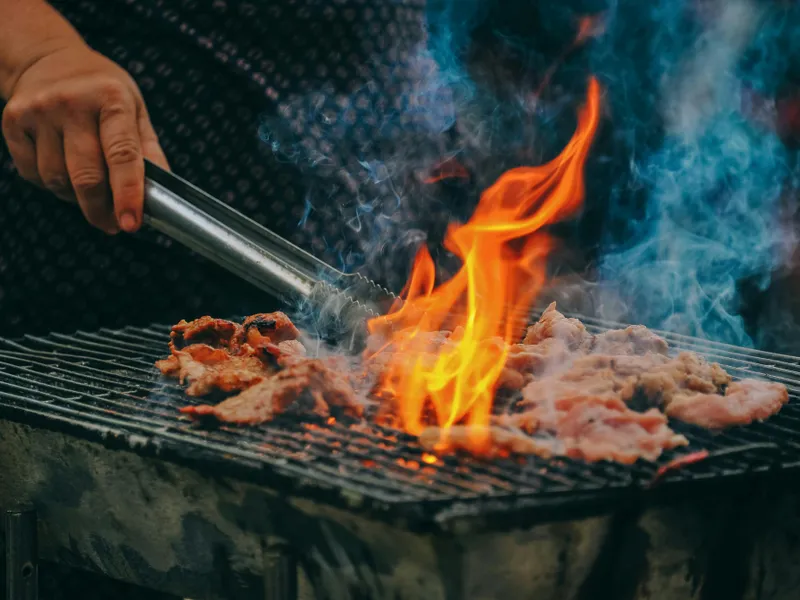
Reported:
(76, 124)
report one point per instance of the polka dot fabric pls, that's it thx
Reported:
(275, 107)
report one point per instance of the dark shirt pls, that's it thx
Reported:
(286, 110)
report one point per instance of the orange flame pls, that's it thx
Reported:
(504, 251)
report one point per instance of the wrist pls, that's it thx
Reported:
(25, 58)
(29, 31)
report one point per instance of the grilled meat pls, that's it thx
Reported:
(650, 378)
(208, 369)
(594, 397)
(744, 401)
(590, 429)
(635, 339)
(553, 325)
(233, 357)
(309, 385)
(272, 328)
(217, 333)
(632, 365)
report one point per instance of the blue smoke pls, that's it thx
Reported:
(712, 179)
(685, 190)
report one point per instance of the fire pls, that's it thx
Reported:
(503, 249)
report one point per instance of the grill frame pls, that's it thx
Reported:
(450, 507)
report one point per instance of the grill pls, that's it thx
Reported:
(102, 386)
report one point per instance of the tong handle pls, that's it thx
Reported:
(219, 235)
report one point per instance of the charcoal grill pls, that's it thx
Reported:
(91, 437)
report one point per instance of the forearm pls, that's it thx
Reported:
(29, 29)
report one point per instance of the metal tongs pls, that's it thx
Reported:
(223, 235)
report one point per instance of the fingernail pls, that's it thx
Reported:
(128, 222)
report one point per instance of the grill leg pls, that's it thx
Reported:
(22, 568)
(280, 572)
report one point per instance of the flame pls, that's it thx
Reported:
(503, 249)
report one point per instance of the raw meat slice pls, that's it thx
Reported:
(635, 339)
(744, 401)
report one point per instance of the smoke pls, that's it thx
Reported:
(713, 184)
(364, 147)
(685, 185)
(426, 98)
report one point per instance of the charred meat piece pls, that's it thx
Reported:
(744, 401)
(217, 333)
(208, 369)
(309, 386)
(264, 328)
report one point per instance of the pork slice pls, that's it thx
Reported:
(169, 366)
(596, 431)
(590, 431)
(553, 325)
(293, 347)
(502, 441)
(651, 379)
(308, 386)
(549, 392)
(633, 340)
(664, 379)
(217, 333)
(547, 355)
(263, 328)
(511, 380)
(209, 369)
(744, 401)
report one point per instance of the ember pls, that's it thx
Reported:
(429, 459)
(503, 248)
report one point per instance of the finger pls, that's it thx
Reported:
(51, 164)
(150, 146)
(87, 173)
(119, 137)
(20, 145)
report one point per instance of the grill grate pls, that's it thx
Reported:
(103, 384)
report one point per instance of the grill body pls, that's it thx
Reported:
(89, 433)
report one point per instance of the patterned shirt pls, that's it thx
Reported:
(284, 109)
